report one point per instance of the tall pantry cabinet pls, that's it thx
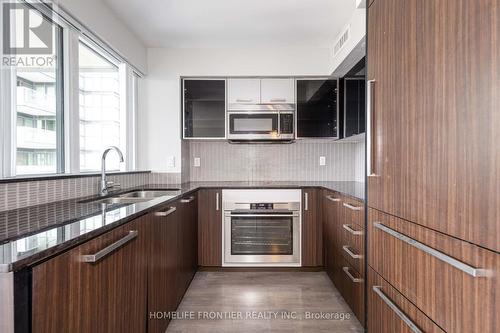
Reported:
(434, 165)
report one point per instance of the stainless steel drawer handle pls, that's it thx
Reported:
(331, 198)
(351, 230)
(188, 200)
(351, 207)
(166, 212)
(353, 279)
(278, 100)
(472, 271)
(394, 307)
(92, 258)
(242, 100)
(350, 253)
(263, 215)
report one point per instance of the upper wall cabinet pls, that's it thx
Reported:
(275, 91)
(265, 91)
(317, 108)
(244, 91)
(204, 108)
(354, 106)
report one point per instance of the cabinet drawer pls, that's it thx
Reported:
(353, 246)
(390, 312)
(453, 282)
(351, 287)
(353, 212)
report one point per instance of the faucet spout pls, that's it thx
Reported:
(105, 185)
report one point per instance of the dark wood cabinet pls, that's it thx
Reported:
(312, 228)
(317, 108)
(204, 108)
(108, 295)
(332, 217)
(451, 281)
(210, 227)
(436, 124)
(173, 258)
(391, 312)
(164, 275)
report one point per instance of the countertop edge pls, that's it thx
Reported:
(56, 250)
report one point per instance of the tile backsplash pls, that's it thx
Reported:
(30, 193)
(299, 161)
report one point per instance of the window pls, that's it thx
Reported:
(37, 103)
(54, 121)
(102, 120)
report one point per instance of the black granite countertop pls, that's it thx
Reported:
(32, 234)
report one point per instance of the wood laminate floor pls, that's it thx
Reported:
(241, 302)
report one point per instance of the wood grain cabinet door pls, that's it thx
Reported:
(330, 203)
(188, 241)
(455, 283)
(435, 124)
(210, 227)
(312, 230)
(108, 295)
(390, 312)
(165, 276)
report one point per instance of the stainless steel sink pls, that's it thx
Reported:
(146, 194)
(133, 197)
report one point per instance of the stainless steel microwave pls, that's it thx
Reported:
(261, 122)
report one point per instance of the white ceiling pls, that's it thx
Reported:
(234, 23)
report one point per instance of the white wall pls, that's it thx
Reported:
(102, 21)
(159, 121)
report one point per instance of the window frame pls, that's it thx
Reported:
(67, 96)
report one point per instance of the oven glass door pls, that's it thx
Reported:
(253, 124)
(262, 235)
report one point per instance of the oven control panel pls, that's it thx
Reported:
(260, 206)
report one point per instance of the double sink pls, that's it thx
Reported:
(133, 197)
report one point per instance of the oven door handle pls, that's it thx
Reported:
(264, 215)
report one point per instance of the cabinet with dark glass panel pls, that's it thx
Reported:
(354, 106)
(317, 108)
(204, 108)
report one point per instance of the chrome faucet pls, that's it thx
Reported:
(107, 185)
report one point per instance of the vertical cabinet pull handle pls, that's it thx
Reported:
(370, 154)
(396, 309)
(472, 271)
(167, 212)
(217, 201)
(306, 201)
(353, 279)
(93, 258)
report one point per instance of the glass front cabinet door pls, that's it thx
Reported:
(317, 108)
(204, 108)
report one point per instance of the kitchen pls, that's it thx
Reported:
(324, 166)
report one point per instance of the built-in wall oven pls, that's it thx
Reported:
(261, 228)
(261, 122)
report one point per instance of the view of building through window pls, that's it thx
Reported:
(36, 106)
(102, 122)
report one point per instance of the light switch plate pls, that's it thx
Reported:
(197, 162)
(322, 160)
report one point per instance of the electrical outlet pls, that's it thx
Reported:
(322, 160)
(197, 162)
(171, 161)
